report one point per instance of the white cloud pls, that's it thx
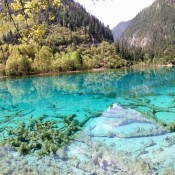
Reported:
(111, 12)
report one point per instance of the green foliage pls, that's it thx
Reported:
(77, 58)
(4, 53)
(44, 137)
(57, 38)
(24, 65)
(73, 16)
(67, 62)
(25, 17)
(30, 50)
(2, 69)
(43, 59)
(151, 32)
(31, 58)
(9, 37)
(104, 55)
(87, 62)
(17, 64)
(40, 137)
(26, 21)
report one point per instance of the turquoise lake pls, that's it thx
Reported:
(122, 140)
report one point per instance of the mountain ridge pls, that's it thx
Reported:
(71, 15)
(153, 29)
(119, 29)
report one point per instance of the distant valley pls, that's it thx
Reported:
(119, 29)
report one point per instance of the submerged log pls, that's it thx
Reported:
(145, 104)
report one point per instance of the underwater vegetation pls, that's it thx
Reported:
(150, 114)
(99, 159)
(121, 141)
(43, 137)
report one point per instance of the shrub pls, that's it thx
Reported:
(67, 62)
(88, 63)
(2, 69)
(29, 50)
(77, 60)
(43, 59)
(57, 64)
(17, 64)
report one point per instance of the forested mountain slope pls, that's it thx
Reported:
(119, 29)
(72, 17)
(152, 31)
(53, 38)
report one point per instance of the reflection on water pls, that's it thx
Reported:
(120, 135)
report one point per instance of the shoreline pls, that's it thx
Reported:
(85, 71)
(55, 73)
(166, 65)
(154, 65)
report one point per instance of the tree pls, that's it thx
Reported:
(25, 16)
(17, 64)
(44, 59)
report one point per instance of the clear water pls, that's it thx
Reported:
(120, 128)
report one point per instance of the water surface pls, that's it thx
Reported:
(121, 96)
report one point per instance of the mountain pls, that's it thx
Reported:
(64, 38)
(74, 18)
(119, 29)
(153, 31)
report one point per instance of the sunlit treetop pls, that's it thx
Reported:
(25, 16)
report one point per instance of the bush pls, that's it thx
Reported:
(67, 62)
(2, 69)
(29, 50)
(58, 63)
(24, 65)
(87, 62)
(1, 56)
(17, 64)
(77, 60)
(43, 59)
(4, 53)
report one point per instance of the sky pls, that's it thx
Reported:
(111, 12)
